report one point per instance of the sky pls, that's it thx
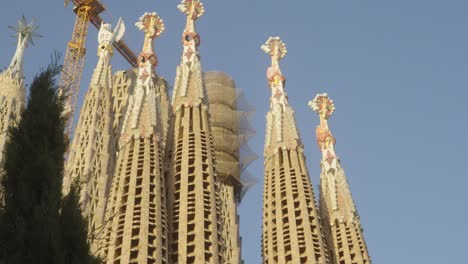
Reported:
(396, 70)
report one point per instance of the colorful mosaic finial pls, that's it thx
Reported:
(322, 105)
(325, 107)
(25, 33)
(192, 8)
(151, 24)
(276, 48)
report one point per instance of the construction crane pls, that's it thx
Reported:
(86, 11)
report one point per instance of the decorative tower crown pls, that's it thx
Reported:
(190, 66)
(151, 24)
(281, 128)
(107, 37)
(25, 33)
(192, 8)
(276, 48)
(337, 206)
(281, 137)
(324, 107)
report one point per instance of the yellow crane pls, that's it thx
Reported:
(86, 11)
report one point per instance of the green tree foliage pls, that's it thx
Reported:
(36, 226)
(74, 230)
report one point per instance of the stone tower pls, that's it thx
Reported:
(194, 202)
(137, 226)
(224, 123)
(291, 227)
(12, 92)
(337, 210)
(91, 157)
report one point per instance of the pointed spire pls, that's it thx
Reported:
(281, 125)
(334, 184)
(142, 115)
(324, 107)
(25, 33)
(276, 48)
(106, 37)
(188, 87)
(338, 211)
(153, 26)
(193, 9)
(291, 231)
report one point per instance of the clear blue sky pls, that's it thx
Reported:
(397, 71)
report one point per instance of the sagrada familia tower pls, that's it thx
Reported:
(12, 91)
(294, 229)
(160, 177)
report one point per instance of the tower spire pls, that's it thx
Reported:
(194, 200)
(188, 88)
(146, 85)
(276, 48)
(25, 33)
(194, 10)
(338, 212)
(291, 232)
(137, 230)
(281, 128)
(92, 153)
(12, 92)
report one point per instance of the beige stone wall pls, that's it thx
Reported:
(342, 224)
(137, 228)
(291, 227)
(91, 157)
(137, 232)
(194, 201)
(123, 84)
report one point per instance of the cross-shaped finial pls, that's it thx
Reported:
(276, 48)
(322, 105)
(151, 24)
(192, 8)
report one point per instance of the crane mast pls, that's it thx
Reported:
(86, 11)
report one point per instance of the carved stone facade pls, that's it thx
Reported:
(194, 202)
(291, 227)
(91, 158)
(137, 228)
(161, 180)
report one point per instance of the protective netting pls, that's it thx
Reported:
(230, 123)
